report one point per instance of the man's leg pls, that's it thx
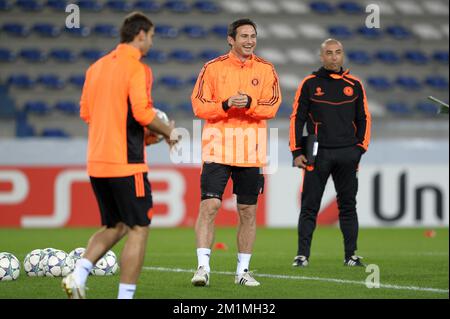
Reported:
(246, 236)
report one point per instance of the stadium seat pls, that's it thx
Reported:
(379, 83)
(441, 57)
(359, 57)
(148, 6)
(81, 32)
(163, 106)
(195, 31)
(157, 56)
(445, 29)
(29, 5)
(178, 6)
(51, 81)
(295, 7)
(220, 30)
(416, 57)
(57, 5)
(207, 6)
(62, 55)
(5, 5)
(436, 8)
(285, 110)
(351, 7)
(408, 83)
(22, 81)
(282, 31)
(191, 80)
(171, 82)
(67, 107)
(312, 31)
(408, 8)
(37, 107)
(7, 104)
(185, 107)
(15, 29)
(322, 7)
(290, 81)
(89, 5)
(426, 31)
(236, 7)
(266, 7)
(106, 30)
(275, 56)
(32, 55)
(23, 128)
(437, 82)
(182, 56)
(388, 57)
(369, 33)
(427, 108)
(119, 5)
(398, 108)
(6, 55)
(302, 56)
(48, 30)
(166, 31)
(54, 133)
(340, 32)
(77, 80)
(398, 32)
(91, 54)
(209, 54)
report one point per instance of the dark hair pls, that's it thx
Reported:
(132, 25)
(239, 23)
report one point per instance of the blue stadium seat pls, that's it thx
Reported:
(182, 56)
(285, 110)
(51, 81)
(106, 30)
(57, 5)
(157, 56)
(207, 6)
(427, 108)
(54, 133)
(77, 80)
(178, 6)
(409, 83)
(359, 57)
(91, 54)
(23, 128)
(89, 5)
(68, 107)
(195, 31)
(62, 55)
(322, 7)
(398, 108)
(191, 80)
(437, 82)
(163, 106)
(48, 30)
(398, 32)
(185, 107)
(171, 82)
(5, 5)
(209, 54)
(29, 5)
(416, 57)
(15, 29)
(22, 81)
(351, 7)
(119, 5)
(32, 55)
(441, 57)
(81, 32)
(379, 83)
(369, 33)
(6, 55)
(37, 107)
(220, 30)
(148, 6)
(388, 57)
(340, 32)
(166, 31)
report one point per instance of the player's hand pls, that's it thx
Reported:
(238, 101)
(169, 141)
(300, 161)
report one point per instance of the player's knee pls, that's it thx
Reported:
(247, 214)
(210, 207)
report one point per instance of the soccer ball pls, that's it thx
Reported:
(106, 266)
(32, 263)
(43, 260)
(57, 264)
(9, 267)
(76, 255)
(154, 138)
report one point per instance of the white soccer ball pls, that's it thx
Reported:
(57, 264)
(43, 260)
(76, 255)
(9, 267)
(106, 266)
(152, 137)
(33, 262)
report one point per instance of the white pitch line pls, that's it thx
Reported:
(333, 280)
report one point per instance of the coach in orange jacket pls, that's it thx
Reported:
(235, 94)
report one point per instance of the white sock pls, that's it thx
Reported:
(203, 256)
(243, 263)
(126, 291)
(82, 270)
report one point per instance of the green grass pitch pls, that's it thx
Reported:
(411, 265)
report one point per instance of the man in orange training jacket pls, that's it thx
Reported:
(235, 94)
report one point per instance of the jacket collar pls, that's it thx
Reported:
(341, 75)
(128, 50)
(235, 60)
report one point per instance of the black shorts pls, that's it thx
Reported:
(248, 182)
(124, 199)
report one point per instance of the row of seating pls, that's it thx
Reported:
(277, 30)
(435, 7)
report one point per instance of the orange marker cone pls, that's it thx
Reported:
(220, 246)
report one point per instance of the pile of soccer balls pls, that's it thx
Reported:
(50, 262)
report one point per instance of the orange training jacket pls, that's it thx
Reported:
(116, 103)
(236, 137)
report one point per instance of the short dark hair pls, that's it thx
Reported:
(232, 28)
(132, 25)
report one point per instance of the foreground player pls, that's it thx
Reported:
(116, 103)
(235, 94)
